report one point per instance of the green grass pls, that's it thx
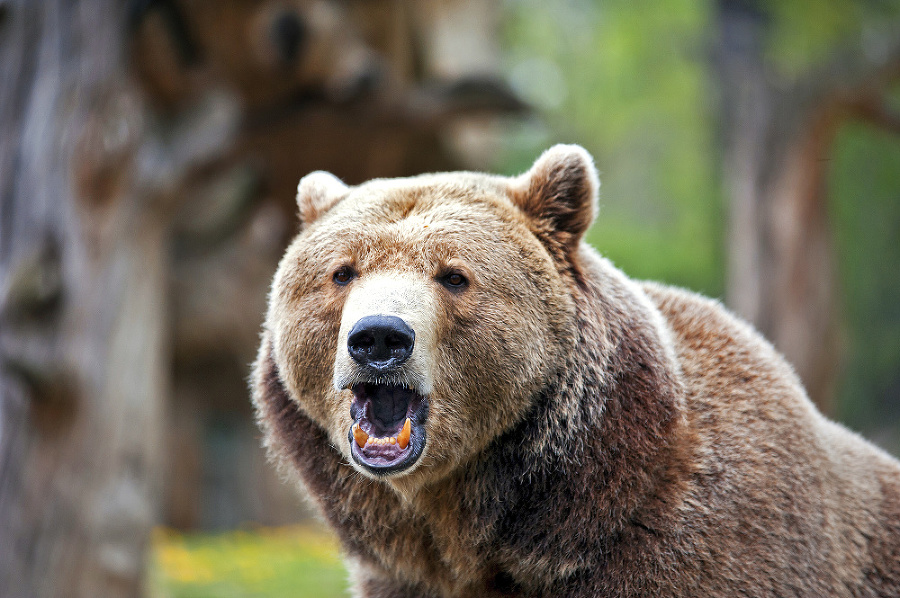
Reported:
(285, 562)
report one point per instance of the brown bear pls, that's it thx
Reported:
(480, 405)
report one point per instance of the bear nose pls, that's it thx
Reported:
(380, 342)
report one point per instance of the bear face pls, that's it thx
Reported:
(390, 322)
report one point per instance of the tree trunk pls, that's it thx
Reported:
(82, 310)
(800, 308)
(777, 139)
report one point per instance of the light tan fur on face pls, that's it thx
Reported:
(410, 298)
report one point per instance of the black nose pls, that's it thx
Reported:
(381, 342)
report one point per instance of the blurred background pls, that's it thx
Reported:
(149, 153)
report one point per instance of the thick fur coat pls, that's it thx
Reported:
(571, 432)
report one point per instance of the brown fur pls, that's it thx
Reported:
(587, 435)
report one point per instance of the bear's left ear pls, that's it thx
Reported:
(560, 194)
(317, 193)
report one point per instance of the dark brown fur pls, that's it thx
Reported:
(669, 452)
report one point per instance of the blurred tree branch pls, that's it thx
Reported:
(877, 112)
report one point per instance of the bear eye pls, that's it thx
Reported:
(454, 281)
(343, 275)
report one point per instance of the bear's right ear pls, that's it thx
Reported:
(317, 193)
(560, 194)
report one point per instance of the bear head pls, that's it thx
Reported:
(415, 320)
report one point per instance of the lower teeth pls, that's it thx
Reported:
(402, 439)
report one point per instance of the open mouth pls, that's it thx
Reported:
(388, 433)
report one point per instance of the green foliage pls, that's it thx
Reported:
(865, 212)
(288, 562)
(806, 33)
(635, 93)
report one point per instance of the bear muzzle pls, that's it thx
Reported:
(386, 349)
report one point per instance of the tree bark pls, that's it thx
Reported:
(84, 371)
